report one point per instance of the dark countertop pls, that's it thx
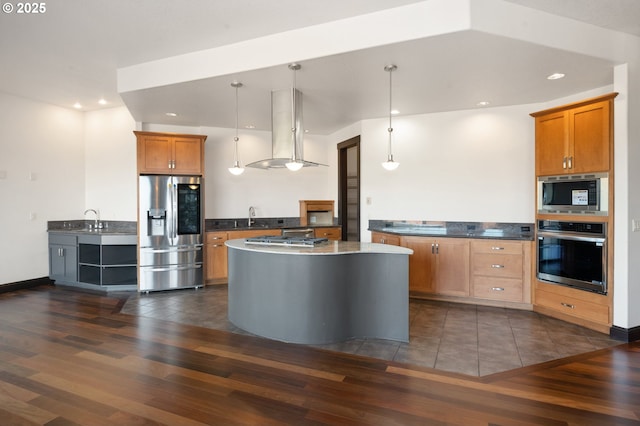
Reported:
(480, 230)
(85, 227)
(222, 225)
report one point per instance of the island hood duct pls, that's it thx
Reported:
(285, 143)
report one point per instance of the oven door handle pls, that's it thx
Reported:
(573, 237)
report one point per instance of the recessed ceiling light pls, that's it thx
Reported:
(482, 103)
(171, 114)
(395, 112)
(102, 101)
(77, 105)
(555, 76)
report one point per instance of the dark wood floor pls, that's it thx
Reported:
(71, 358)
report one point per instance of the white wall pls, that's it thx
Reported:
(42, 164)
(110, 164)
(474, 165)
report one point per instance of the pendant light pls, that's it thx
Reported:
(294, 165)
(237, 169)
(390, 164)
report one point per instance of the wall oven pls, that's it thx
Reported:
(573, 254)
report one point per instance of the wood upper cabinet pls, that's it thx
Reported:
(575, 138)
(439, 266)
(162, 153)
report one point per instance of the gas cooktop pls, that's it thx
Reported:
(286, 241)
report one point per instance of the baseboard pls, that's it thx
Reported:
(21, 285)
(625, 334)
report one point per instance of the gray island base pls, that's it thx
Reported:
(329, 293)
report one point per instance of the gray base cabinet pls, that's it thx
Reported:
(106, 262)
(63, 258)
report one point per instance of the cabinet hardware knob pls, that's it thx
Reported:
(497, 266)
(564, 162)
(497, 248)
(567, 305)
(571, 162)
(497, 288)
(382, 240)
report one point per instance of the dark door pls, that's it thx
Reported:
(349, 188)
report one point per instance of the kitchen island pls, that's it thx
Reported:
(328, 293)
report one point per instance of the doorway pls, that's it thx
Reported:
(349, 188)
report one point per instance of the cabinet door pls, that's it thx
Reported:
(590, 132)
(552, 142)
(216, 262)
(452, 267)
(63, 263)
(155, 154)
(421, 264)
(187, 156)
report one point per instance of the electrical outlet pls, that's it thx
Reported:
(368, 201)
(635, 225)
(32, 216)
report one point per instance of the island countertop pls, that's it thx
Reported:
(327, 248)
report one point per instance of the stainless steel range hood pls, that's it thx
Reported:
(284, 146)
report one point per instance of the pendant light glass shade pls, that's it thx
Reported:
(390, 164)
(237, 169)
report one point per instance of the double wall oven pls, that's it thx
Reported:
(573, 254)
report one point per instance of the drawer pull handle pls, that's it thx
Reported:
(497, 248)
(567, 305)
(497, 266)
(497, 288)
(215, 238)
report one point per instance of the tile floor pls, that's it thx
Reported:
(467, 339)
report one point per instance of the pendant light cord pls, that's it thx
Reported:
(294, 154)
(235, 139)
(390, 129)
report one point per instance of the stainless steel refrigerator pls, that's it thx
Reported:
(171, 226)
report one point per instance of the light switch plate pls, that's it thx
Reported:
(635, 225)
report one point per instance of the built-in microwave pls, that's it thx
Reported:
(574, 194)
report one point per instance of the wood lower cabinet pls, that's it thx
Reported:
(216, 267)
(577, 306)
(216, 251)
(576, 138)
(439, 266)
(162, 153)
(483, 271)
(332, 233)
(500, 270)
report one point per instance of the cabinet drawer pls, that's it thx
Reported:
(498, 288)
(330, 233)
(63, 240)
(216, 237)
(377, 237)
(573, 306)
(320, 207)
(496, 247)
(505, 265)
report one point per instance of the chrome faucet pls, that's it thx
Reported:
(252, 213)
(97, 223)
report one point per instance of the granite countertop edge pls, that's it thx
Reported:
(473, 230)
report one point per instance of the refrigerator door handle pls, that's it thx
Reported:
(173, 268)
(172, 250)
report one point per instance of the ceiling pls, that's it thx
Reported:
(71, 53)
